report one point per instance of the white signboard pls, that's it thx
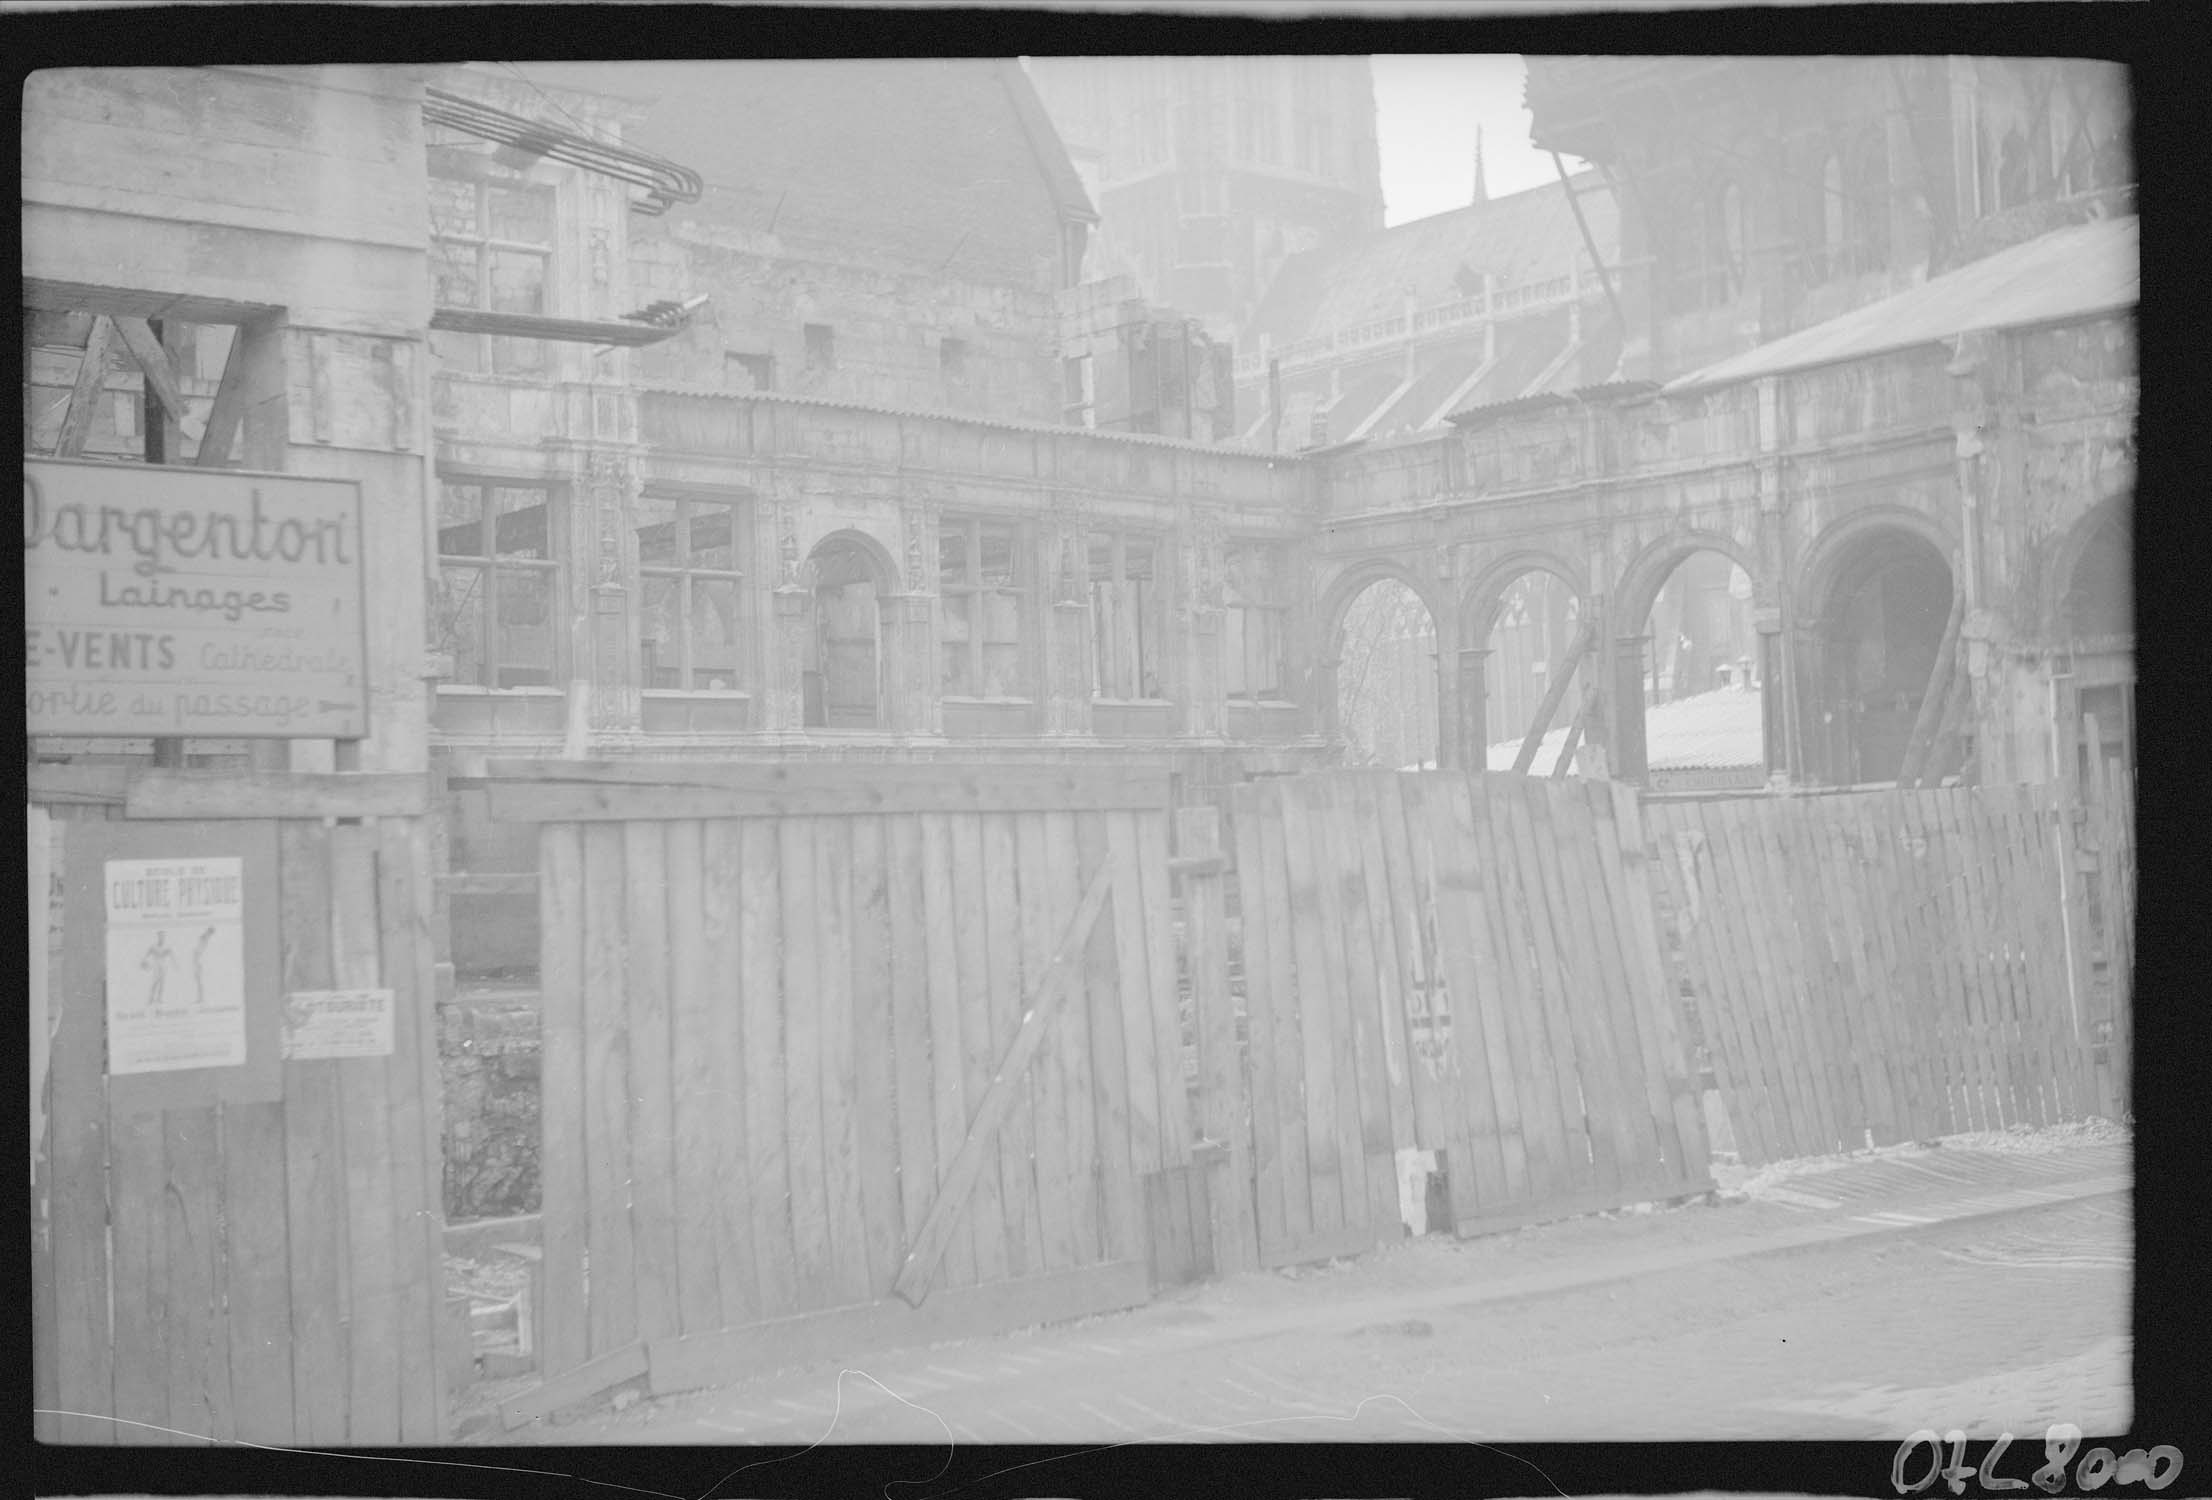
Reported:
(195, 602)
(337, 1023)
(176, 970)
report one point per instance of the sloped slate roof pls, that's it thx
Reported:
(1528, 347)
(1526, 236)
(2069, 273)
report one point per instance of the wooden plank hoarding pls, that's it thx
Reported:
(878, 988)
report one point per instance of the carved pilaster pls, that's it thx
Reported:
(1204, 602)
(787, 664)
(1068, 624)
(1474, 706)
(787, 542)
(609, 484)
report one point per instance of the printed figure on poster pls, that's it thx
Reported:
(176, 959)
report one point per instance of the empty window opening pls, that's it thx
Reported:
(749, 372)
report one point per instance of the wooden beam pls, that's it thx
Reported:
(1568, 746)
(1931, 697)
(276, 794)
(580, 1384)
(229, 411)
(161, 381)
(1042, 1006)
(824, 790)
(76, 424)
(503, 883)
(1554, 691)
(79, 785)
(1948, 740)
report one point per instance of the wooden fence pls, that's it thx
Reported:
(1869, 968)
(819, 1035)
(1468, 965)
(2100, 835)
(246, 1252)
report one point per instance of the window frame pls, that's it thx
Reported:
(1151, 616)
(968, 531)
(818, 354)
(755, 364)
(494, 354)
(685, 574)
(489, 564)
(1279, 607)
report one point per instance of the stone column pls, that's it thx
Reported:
(786, 696)
(1444, 662)
(609, 493)
(1777, 686)
(1474, 707)
(1205, 597)
(1628, 757)
(1325, 721)
(1202, 671)
(1067, 686)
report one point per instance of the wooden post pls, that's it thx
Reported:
(1568, 746)
(84, 396)
(1226, 1146)
(1931, 701)
(1554, 691)
(1949, 735)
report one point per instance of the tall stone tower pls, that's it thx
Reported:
(1209, 171)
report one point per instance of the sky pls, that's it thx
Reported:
(1427, 106)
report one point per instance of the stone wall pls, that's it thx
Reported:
(488, 1051)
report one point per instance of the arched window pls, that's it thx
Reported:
(1832, 216)
(2012, 171)
(1869, 207)
(1732, 237)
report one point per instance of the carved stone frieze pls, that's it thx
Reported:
(787, 544)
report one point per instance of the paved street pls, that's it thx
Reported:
(1989, 1324)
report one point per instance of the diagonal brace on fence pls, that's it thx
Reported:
(1037, 1017)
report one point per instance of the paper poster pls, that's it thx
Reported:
(176, 969)
(337, 1023)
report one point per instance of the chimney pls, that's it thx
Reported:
(1482, 190)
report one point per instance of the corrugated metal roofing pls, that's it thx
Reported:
(1520, 238)
(2069, 273)
(962, 418)
(1716, 729)
(1720, 728)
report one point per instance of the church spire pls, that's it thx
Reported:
(1482, 190)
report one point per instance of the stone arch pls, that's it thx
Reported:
(1334, 611)
(2106, 529)
(1488, 707)
(844, 651)
(1635, 596)
(2088, 616)
(1642, 579)
(849, 541)
(1484, 594)
(1873, 598)
(1834, 548)
(1354, 580)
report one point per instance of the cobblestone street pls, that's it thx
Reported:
(2006, 1323)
